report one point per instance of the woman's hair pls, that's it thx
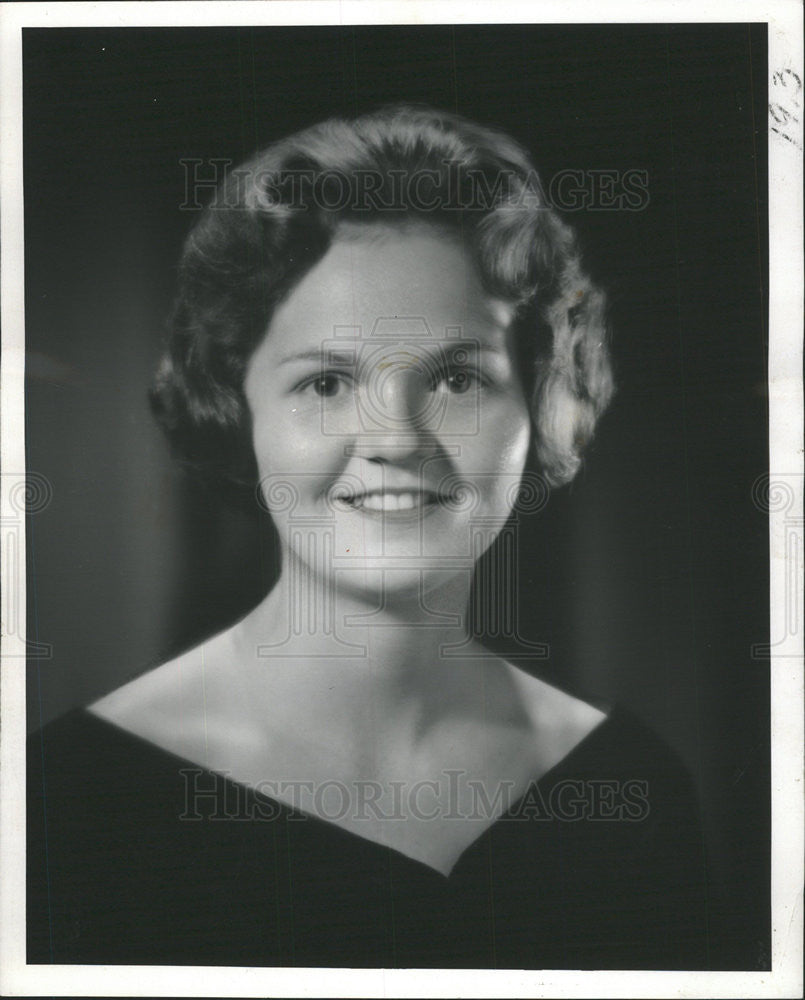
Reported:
(275, 217)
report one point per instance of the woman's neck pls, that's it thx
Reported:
(369, 643)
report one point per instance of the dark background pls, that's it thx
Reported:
(648, 577)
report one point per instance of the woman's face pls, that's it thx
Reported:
(390, 422)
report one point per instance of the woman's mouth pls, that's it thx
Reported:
(391, 502)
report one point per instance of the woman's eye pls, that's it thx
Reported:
(460, 381)
(327, 384)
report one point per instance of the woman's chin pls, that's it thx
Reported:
(385, 582)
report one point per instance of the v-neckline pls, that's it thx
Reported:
(241, 788)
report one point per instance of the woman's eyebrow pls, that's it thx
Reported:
(451, 346)
(322, 355)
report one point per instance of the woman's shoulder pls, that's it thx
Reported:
(180, 676)
(175, 704)
(557, 720)
(606, 736)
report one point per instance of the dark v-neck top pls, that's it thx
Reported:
(600, 864)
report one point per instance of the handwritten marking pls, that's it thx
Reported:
(784, 112)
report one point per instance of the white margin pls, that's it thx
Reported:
(785, 496)
(786, 467)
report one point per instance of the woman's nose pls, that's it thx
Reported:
(396, 394)
(397, 410)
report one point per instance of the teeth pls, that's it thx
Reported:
(388, 502)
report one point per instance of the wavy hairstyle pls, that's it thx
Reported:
(275, 217)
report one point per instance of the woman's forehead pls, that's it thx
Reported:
(383, 281)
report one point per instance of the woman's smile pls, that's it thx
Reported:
(397, 504)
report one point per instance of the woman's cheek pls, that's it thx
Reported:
(520, 441)
(291, 443)
(505, 454)
(506, 447)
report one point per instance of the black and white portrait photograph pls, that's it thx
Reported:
(402, 500)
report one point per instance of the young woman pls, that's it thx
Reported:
(383, 329)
